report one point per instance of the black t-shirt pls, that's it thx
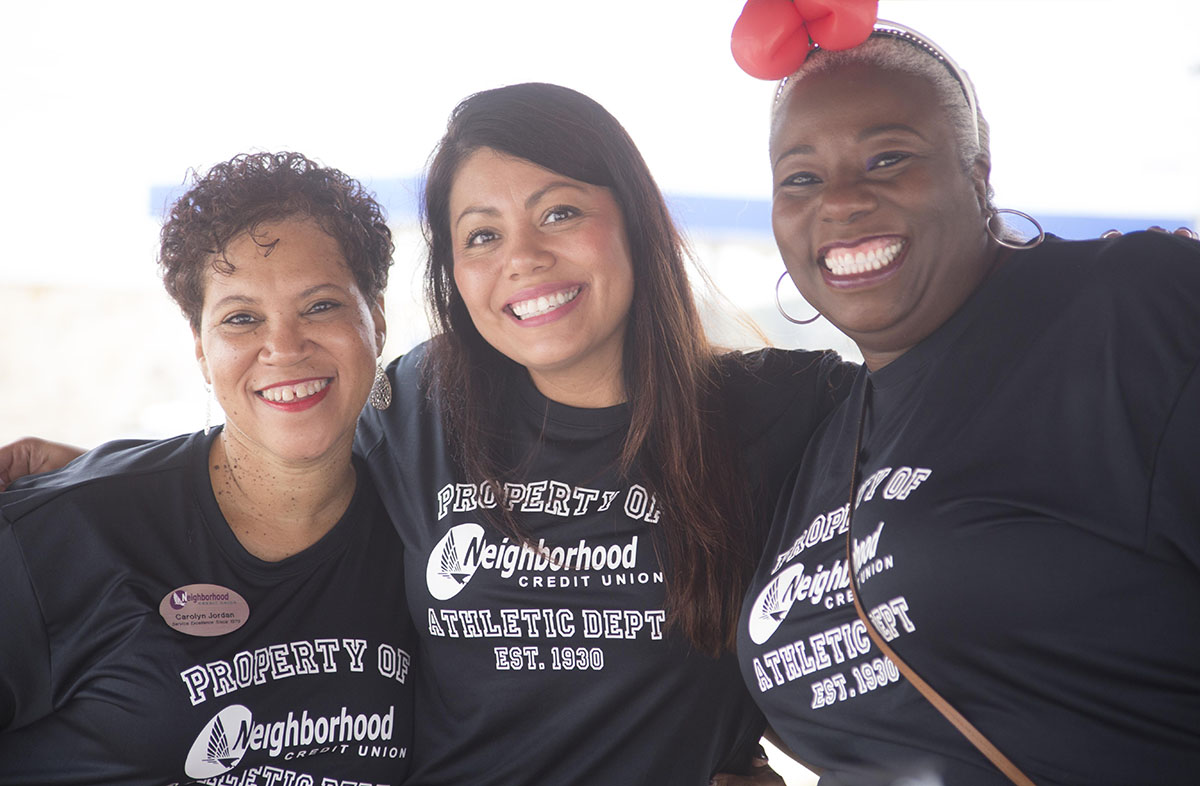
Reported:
(558, 669)
(122, 660)
(1027, 537)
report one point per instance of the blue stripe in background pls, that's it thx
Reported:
(716, 215)
(397, 195)
(753, 216)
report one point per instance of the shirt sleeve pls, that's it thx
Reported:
(1174, 509)
(24, 647)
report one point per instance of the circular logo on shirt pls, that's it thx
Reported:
(204, 610)
(454, 560)
(773, 603)
(221, 745)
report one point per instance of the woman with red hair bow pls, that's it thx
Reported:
(988, 563)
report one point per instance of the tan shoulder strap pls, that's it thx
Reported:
(964, 726)
(968, 730)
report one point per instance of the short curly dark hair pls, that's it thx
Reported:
(236, 196)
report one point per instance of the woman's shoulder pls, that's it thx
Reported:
(1141, 260)
(784, 390)
(770, 371)
(1123, 310)
(1154, 260)
(1139, 284)
(105, 473)
(1167, 244)
(411, 402)
(408, 369)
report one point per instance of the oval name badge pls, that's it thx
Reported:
(204, 610)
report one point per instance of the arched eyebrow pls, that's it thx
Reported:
(887, 128)
(529, 202)
(247, 300)
(798, 150)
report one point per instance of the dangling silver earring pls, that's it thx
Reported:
(381, 389)
(208, 399)
(1008, 243)
(786, 315)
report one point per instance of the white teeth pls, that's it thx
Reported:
(535, 307)
(285, 393)
(842, 262)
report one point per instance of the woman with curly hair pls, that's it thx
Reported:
(229, 601)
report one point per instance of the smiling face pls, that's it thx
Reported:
(542, 263)
(289, 343)
(879, 226)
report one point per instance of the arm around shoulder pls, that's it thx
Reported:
(32, 455)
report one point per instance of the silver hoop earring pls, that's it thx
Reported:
(786, 315)
(381, 388)
(1008, 243)
(208, 399)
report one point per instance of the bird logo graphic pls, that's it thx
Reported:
(451, 565)
(772, 605)
(454, 560)
(222, 743)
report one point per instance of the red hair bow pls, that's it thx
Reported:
(772, 37)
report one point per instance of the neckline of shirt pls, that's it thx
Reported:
(332, 543)
(540, 409)
(936, 343)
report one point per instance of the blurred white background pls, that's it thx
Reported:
(1095, 110)
(1094, 104)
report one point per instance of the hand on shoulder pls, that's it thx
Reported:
(32, 455)
(1181, 231)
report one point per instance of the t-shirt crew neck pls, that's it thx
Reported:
(564, 418)
(327, 547)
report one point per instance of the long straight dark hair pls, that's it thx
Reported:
(678, 440)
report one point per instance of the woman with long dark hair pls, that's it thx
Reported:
(575, 470)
